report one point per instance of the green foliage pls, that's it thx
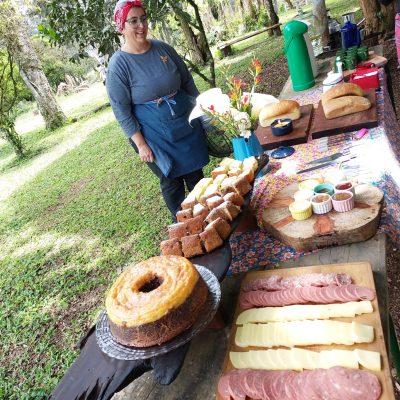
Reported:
(8, 97)
(56, 63)
(250, 23)
(263, 18)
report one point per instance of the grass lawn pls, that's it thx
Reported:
(72, 215)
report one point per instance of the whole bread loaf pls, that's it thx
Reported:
(345, 105)
(283, 109)
(344, 89)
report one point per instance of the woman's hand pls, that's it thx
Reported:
(145, 153)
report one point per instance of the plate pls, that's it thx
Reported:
(112, 348)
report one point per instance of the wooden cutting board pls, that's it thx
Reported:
(301, 129)
(361, 274)
(322, 127)
(331, 229)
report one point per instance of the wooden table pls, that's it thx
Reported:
(203, 364)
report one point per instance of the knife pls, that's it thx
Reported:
(333, 157)
(323, 165)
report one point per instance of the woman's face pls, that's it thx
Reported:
(135, 27)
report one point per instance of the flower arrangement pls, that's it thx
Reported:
(233, 113)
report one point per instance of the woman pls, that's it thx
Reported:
(151, 93)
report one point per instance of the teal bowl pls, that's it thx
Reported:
(324, 188)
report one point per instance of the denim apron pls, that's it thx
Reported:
(178, 148)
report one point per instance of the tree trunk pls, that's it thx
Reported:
(31, 70)
(250, 9)
(321, 20)
(203, 39)
(370, 9)
(289, 4)
(196, 54)
(273, 17)
(389, 13)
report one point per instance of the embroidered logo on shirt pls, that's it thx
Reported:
(164, 59)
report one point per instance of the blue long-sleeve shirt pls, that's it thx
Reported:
(138, 78)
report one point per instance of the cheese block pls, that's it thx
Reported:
(303, 333)
(250, 163)
(300, 312)
(200, 187)
(299, 359)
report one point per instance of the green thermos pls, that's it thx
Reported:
(297, 55)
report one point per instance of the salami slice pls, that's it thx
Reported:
(352, 384)
(223, 387)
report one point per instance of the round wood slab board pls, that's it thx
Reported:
(330, 229)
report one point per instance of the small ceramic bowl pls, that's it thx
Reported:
(304, 194)
(346, 185)
(308, 184)
(300, 210)
(281, 127)
(324, 188)
(343, 201)
(321, 203)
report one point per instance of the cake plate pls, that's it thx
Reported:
(112, 348)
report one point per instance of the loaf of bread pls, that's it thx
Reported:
(343, 89)
(345, 105)
(283, 109)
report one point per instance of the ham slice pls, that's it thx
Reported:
(303, 295)
(335, 383)
(276, 282)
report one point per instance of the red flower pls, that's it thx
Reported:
(245, 99)
(258, 78)
(211, 108)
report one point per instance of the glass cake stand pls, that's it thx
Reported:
(112, 348)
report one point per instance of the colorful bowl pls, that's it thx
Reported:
(324, 188)
(300, 210)
(343, 201)
(308, 184)
(345, 186)
(303, 194)
(321, 203)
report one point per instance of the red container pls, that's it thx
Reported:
(365, 76)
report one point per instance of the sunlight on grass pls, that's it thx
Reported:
(11, 181)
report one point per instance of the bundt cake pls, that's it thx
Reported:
(153, 301)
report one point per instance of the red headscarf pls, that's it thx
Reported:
(121, 11)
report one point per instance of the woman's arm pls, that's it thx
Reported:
(121, 102)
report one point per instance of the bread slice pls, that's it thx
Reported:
(219, 171)
(200, 210)
(234, 198)
(250, 163)
(191, 246)
(343, 89)
(210, 239)
(183, 215)
(283, 109)
(171, 247)
(345, 105)
(221, 226)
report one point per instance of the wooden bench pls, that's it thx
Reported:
(226, 46)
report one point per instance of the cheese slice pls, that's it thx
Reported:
(369, 359)
(299, 359)
(302, 312)
(303, 333)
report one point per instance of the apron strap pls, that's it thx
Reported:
(168, 99)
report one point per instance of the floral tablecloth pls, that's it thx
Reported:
(377, 162)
